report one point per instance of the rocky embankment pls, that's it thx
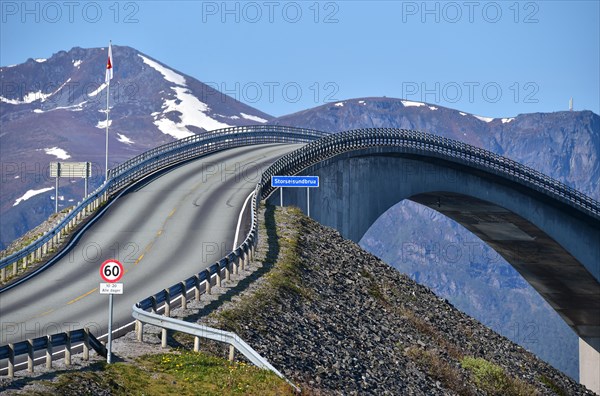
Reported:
(337, 320)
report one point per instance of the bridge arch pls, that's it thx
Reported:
(547, 231)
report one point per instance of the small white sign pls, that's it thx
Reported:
(111, 288)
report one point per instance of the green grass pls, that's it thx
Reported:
(493, 379)
(185, 373)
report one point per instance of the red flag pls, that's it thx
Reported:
(109, 64)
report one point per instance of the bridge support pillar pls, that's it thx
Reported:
(589, 363)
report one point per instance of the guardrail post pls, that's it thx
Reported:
(154, 304)
(227, 271)
(196, 343)
(167, 303)
(208, 283)
(197, 284)
(86, 343)
(11, 360)
(183, 295)
(3, 274)
(236, 265)
(30, 355)
(218, 276)
(231, 353)
(68, 349)
(139, 330)
(14, 272)
(163, 338)
(49, 352)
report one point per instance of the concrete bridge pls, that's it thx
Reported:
(545, 230)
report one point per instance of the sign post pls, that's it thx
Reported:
(111, 272)
(295, 181)
(71, 170)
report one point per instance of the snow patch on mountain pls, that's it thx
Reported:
(40, 60)
(31, 193)
(102, 124)
(98, 90)
(124, 139)
(484, 119)
(57, 152)
(173, 129)
(507, 120)
(409, 103)
(432, 108)
(33, 96)
(76, 63)
(193, 113)
(76, 107)
(339, 104)
(168, 74)
(28, 98)
(253, 118)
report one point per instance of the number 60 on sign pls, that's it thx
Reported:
(111, 271)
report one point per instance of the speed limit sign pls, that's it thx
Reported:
(111, 271)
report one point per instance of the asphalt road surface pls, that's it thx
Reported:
(163, 231)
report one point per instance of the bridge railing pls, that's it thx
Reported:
(147, 163)
(420, 143)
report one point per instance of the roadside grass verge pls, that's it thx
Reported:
(184, 373)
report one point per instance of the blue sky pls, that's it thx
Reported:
(488, 58)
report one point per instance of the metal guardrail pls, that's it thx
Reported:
(424, 144)
(210, 333)
(149, 162)
(68, 340)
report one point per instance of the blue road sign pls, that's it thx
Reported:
(294, 181)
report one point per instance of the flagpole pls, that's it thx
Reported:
(107, 111)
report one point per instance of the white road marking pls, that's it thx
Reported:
(237, 230)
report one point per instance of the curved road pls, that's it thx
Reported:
(163, 231)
